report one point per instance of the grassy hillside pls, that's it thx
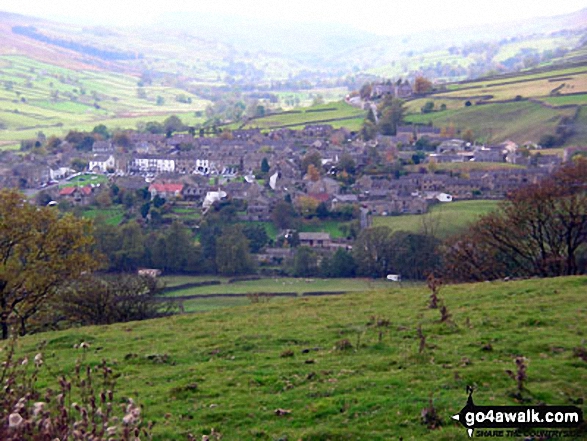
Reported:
(231, 369)
(519, 121)
(37, 96)
(447, 219)
(337, 114)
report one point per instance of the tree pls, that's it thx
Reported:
(79, 164)
(306, 206)
(305, 262)
(422, 85)
(93, 300)
(154, 127)
(428, 107)
(341, 264)
(121, 139)
(232, 252)
(469, 136)
(313, 173)
(373, 252)
(414, 255)
(175, 251)
(256, 235)
(283, 215)
(312, 158)
(365, 91)
(173, 124)
(369, 130)
(539, 230)
(392, 114)
(347, 164)
(38, 252)
(130, 254)
(101, 130)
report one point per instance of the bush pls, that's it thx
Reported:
(95, 300)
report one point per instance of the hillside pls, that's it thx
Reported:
(231, 369)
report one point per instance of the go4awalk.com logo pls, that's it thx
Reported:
(502, 421)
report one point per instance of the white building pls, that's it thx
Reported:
(152, 164)
(101, 163)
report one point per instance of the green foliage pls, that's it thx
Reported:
(341, 264)
(284, 216)
(311, 158)
(102, 130)
(79, 164)
(305, 263)
(414, 255)
(373, 252)
(100, 300)
(232, 252)
(391, 111)
(256, 235)
(39, 251)
(428, 107)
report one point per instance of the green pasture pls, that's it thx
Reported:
(331, 371)
(518, 121)
(36, 96)
(311, 115)
(272, 285)
(446, 219)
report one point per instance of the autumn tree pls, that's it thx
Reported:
(313, 173)
(540, 229)
(365, 91)
(39, 251)
(314, 158)
(307, 206)
(422, 85)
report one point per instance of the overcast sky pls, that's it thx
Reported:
(378, 16)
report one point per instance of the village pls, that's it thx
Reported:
(313, 166)
(206, 169)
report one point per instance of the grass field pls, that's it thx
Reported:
(273, 285)
(579, 137)
(312, 115)
(39, 96)
(110, 215)
(448, 218)
(331, 227)
(232, 369)
(518, 121)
